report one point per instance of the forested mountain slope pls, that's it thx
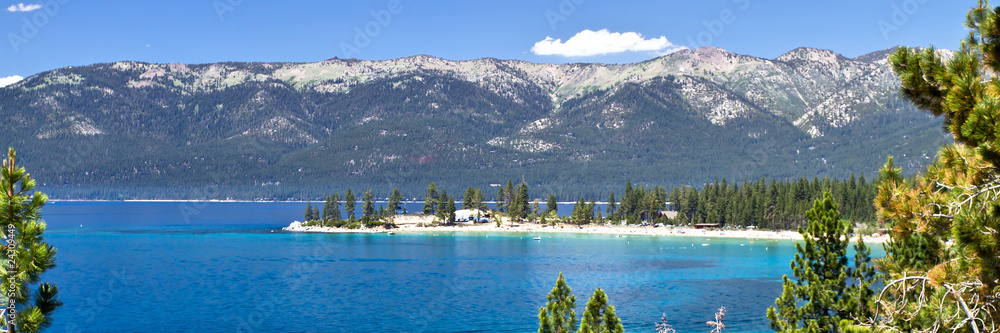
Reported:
(300, 130)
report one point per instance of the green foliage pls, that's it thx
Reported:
(349, 203)
(368, 213)
(509, 196)
(918, 252)
(778, 204)
(325, 217)
(450, 210)
(583, 213)
(933, 284)
(599, 317)
(431, 201)
(501, 196)
(331, 211)
(395, 202)
(309, 212)
(442, 205)
(478, 201)
(20, 214)
(639, 203)
(612, 205)
(558, 316)
(519, 207)
(551, 205)
(469, 198)
(821, 271)
(860, 295)
(849, 326)
(222, 135)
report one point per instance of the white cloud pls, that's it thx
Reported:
(6, 81)
(590, 43)
(23, 8)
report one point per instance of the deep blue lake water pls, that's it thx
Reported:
(227, 267)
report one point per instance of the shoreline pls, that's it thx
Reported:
(259, 201)
(622, 231)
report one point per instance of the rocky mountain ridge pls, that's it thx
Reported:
(401, 122)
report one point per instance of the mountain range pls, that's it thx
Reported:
(254, 130)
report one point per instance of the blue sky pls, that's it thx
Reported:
(74, 32)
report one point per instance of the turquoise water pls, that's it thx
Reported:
(227, 267)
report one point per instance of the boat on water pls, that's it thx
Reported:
(392, 232)
(537, 238)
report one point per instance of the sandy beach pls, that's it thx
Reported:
(409, 226)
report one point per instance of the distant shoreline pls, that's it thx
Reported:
(263, 201)
(623, 231)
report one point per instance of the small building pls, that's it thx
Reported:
(706, 225)
(669, 214)
(471, 215)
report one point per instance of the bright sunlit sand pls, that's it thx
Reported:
(412, 222)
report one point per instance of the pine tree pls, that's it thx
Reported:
(500, 199)
(309, 212)
(599, 317)
(395, 202)
(821, 271)
(577, 216)
(334, 212)
(21, 214)
(590, 212)
(519, 206)
(368, 209)
(349, 203)
(431, 202)
(442, 208)
(955, 197)
(860, 297)
(652, 205)
(610, 210)
(469, 198)
(558, 316)
(450, 217)
(509, 195)
(326, 210)
(690, 200)
(479, 201)
(551, 205)
(627, 205)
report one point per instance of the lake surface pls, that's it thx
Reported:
(227, 267)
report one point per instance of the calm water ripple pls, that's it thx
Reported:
(143, 267)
